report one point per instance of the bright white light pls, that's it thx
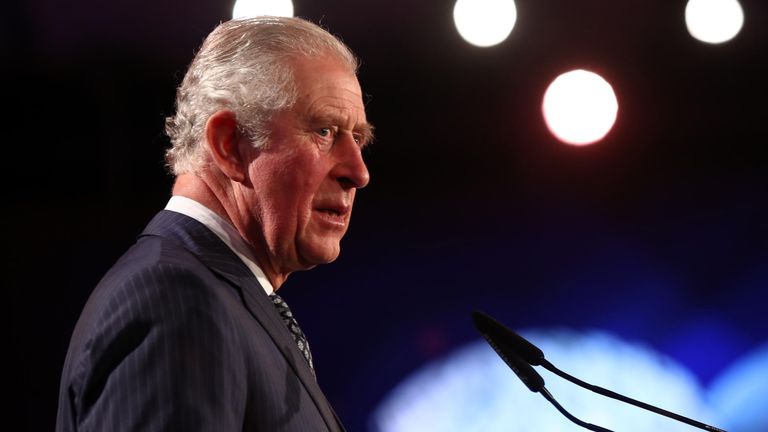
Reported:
(579, 107)
(484, 22)
(252, 8)
(473, 390)
(714, 21)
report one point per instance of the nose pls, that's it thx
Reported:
(350, 170)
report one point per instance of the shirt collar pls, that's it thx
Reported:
(224, 230)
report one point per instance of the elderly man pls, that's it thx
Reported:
(186, 332)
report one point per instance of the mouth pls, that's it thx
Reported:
(335, 215)
(330, 212)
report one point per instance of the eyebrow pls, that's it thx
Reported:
(365, 130)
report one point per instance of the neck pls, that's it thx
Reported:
(220, 200)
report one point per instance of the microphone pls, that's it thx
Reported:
(525, 372)
(506, 339)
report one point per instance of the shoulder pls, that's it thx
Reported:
(159, 282)
(158, 327)
(155, 273)
(158, 297)
(158, 312)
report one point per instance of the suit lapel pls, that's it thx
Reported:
(218, 257)
(264, 311)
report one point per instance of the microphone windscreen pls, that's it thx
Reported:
(506, 338)
(520, 367)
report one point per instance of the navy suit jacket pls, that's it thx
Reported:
(180, 336)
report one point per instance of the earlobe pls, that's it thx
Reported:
(222, 139)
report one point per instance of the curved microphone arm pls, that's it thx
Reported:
(611, 394)
(548, 396)
(510, 344)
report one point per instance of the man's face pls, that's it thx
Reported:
(304, 179)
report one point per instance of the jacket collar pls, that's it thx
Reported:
(219, 258)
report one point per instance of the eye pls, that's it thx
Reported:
(327, 132)
(326, 137)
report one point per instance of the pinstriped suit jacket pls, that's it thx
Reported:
(179, 336)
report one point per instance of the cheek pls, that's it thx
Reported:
(292, 195)
(287, 184)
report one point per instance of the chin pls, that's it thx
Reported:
(320, 255)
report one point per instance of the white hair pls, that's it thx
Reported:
(243, 66)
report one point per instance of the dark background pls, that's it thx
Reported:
(658, 233)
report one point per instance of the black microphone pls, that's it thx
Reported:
(516, 344)
(526, 373)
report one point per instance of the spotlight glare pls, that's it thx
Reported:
(252, 8)
(579, 107)
(484, 23)
(714, 21)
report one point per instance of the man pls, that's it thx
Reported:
(182, 333)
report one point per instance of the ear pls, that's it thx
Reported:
(223, 138)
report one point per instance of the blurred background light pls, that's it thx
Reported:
(714, 21)
(484, 23)
(579, 107)
(740, 395)
(472, 389)
(251, 8)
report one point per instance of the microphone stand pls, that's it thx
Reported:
(605, 392)
(516, 351)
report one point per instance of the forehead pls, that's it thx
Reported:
(327, 86)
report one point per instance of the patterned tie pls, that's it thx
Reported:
(293, 326)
